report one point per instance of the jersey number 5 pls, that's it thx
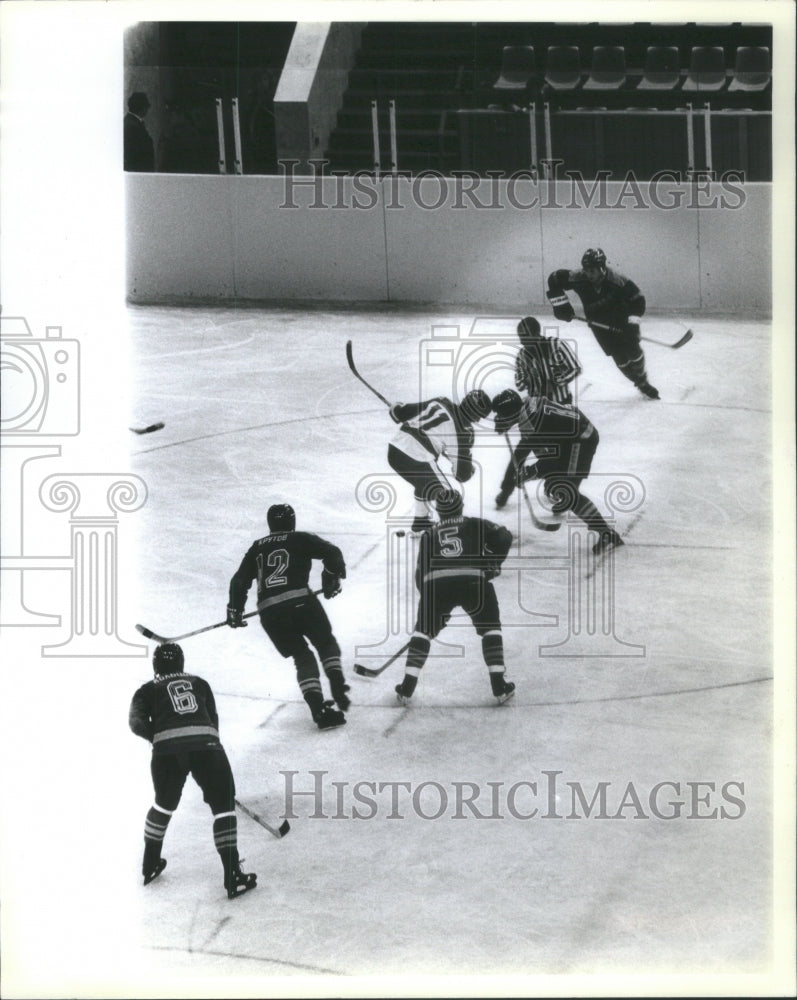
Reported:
(450, 542)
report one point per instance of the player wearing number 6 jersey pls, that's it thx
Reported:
(177, 713)
(290, 613)
(457, 561)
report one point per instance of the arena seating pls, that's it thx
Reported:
(440, 74)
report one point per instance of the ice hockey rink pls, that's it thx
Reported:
(612, 828)
(619, 828)
(260, 407)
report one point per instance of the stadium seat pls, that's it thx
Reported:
(661, 70)
(706, 68)
(517, 68)
(753, 69)
(608, 68)
(563, 67)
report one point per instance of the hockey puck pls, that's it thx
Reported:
(148, 430)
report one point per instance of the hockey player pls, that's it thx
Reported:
(176, 712)
(564, 442)
(430, 430)
(544, 361)
(457, 560)
(289, 611)
(612, 306)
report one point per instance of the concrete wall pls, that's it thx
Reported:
(311, 88)
(425, 240)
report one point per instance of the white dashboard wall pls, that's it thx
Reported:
(227, 238)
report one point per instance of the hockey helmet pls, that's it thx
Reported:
(476, 405)
(507, 405)
(281, 517)
(448, 503)
(593, 258)
(528, 329)
(168, 658)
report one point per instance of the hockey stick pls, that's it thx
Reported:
(148, 430)
(651, 340)
(276, 831)
(375, 672)
(542, 525)
(149, 634)
(356, 374)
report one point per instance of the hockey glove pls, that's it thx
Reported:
(503, 424)
(562, 307)
(492, 570)
(235, 618)
(394, 412)
(528, 472)
(330, 584)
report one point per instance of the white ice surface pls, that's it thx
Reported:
(259, 407)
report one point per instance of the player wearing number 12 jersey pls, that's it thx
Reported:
(457, 560)
(290, 613)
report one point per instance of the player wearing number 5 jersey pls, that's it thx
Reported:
(177, 713)
(290, 613)
(457, 560)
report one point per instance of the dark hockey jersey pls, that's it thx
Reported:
(549, 428)
(462, 546)
(281, 564)
(612, 301)
(175, 712)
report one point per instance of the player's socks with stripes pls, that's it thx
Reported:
(337, 683)
(225, 837)
(493, 652)
(416, 657)
(154, 831)
(634, 371)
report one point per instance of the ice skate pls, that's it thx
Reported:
(502, 689)
(340, 694)
(502, 498)
(401, 698)
(648, 390)
(155, 871)
(328, 717)
(608, 540)
(237, 882)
